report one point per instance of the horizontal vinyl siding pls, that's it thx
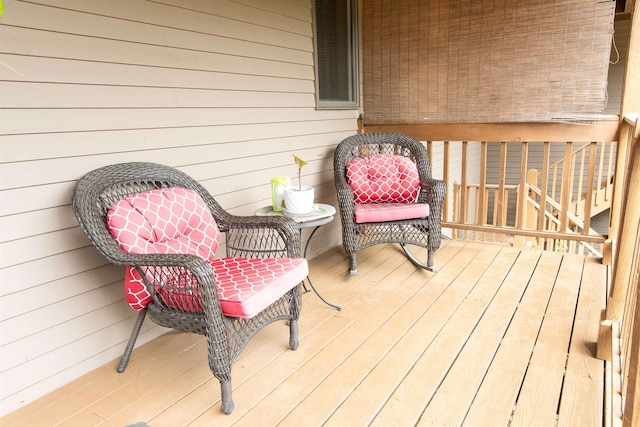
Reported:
(223, 90)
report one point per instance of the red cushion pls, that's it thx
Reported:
(383, 178)
(248, 286)
(167, 220)
(382, 212)
(164, 221)
(245, 286)
(177, 220)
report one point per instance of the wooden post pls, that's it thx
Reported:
(626, 257)
(622, 160)
(631, 416)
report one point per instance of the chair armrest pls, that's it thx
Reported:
(433, 192)
(177, 266)
(346, 205)
(261, 236)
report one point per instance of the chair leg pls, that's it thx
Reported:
(227, 401)
(294, 340)
(428, 266)
(354, 265)
(124, 360)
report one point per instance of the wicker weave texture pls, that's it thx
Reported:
(247, 236)
(423, 232)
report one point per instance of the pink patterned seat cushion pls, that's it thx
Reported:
(177, 220)
(385, 188)
(383, 212)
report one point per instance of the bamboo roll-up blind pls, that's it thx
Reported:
(489, 61)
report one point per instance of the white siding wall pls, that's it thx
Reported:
(223, 90)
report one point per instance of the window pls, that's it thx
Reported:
(336, 53)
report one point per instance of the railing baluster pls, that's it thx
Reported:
(565, 190)
(521, 210)
(543, 188)
(501, 182)
(600, 170)
(581, 180)
(483, 201)
(610, 171)
(572, 177)
(589, 189)
(464, 191)
(445, 177)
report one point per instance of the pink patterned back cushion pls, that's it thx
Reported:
(169, 221)
(382, 178)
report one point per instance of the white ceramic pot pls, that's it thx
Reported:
(298, 201)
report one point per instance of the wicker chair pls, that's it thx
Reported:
(369, 169)
(183, 290)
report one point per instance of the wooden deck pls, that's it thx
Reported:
(498, 337)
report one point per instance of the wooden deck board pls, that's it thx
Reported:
(444, 336)
(458, 390)
(495, 329)
(540, 392)
(501, 385)
(584, 381)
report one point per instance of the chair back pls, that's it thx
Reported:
(380, 148)
(383, 178)
(100, 189)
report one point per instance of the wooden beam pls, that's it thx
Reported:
(626, 246)
(631, 415)
(631, 83)
(602, 130)
(527, 233)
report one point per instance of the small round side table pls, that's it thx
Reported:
(320, 215)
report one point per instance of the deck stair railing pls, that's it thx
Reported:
(570, 192)
(552, 222)
(575, 225)
(603, 176)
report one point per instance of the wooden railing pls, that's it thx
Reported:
(579, 175)
(619, 339)
(551, 222)
(556, 192)
(463, 214)
(483, 200)
(477, 210)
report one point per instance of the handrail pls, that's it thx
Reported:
(481, 188)
(553, 169)
(576, 221)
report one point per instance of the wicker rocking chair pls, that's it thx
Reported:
(165, 228)
(386, 195)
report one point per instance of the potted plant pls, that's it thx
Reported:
(298, 200)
